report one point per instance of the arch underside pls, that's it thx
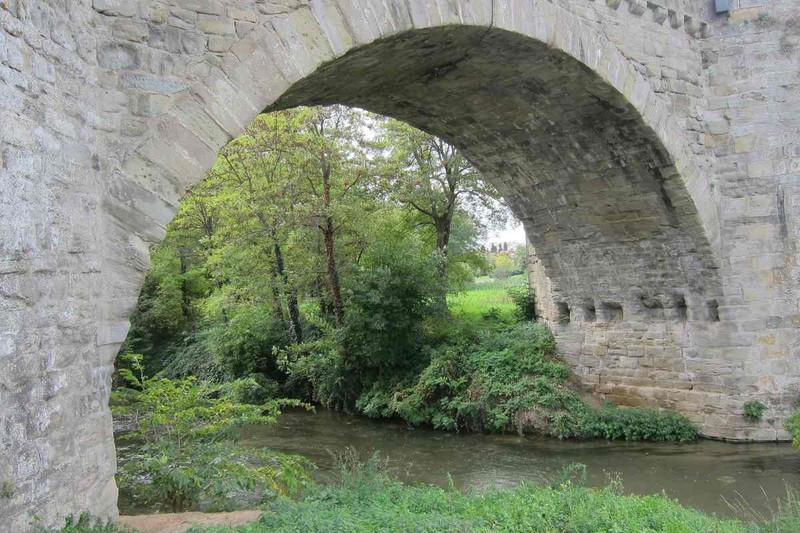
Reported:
(602, 203)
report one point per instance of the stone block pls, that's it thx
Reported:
(208, 7)
(131, 30)
(166, 38)
(152, 84)
(216, 25)
(116, 8)
(219, 44)
(118, 56)
(193, 42)
(248, 15)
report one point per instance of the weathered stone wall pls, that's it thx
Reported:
(649, 147)
(56, 448)
(746, 136)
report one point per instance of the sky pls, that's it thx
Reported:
(513, 232)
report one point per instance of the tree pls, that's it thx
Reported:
(332, 177)
(434, 178)
(520, 258)
(260, 165)
(503, 265)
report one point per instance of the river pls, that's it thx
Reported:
(701, 475)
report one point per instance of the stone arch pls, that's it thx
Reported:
(568, 128)
(293, 60)
(551, 52)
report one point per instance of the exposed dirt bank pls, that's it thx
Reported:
(180, 522)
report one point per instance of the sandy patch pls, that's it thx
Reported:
(180, 522)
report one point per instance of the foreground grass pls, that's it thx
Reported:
(378, 504)
(484, 295)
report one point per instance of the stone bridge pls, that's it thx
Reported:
(651, 148)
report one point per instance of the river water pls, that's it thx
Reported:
(701, 475)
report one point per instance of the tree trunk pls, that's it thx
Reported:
(333, 272)
(443, 225)
(330, 246)
(277, 307)
(186, 303)
(295, 331)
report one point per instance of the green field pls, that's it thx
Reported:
(484, 295)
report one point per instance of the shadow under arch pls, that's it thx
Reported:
(602, 201)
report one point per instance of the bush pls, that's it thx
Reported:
(493, 313)
(634, 424)
(754, 410)
(244, 343)
(255, 389)
(525, 301)
(482, 386)
(387, 303)
(185, 444)
(511, 379)
(319, 371)
(793, 427)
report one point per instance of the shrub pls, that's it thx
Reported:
(186, 444)
(525, 301)
(486, 385)
(387, 303)
(319, 371)
(754, 410)
(635, 424)
(511, 379)
(244, 343)
(793, 427)
(493, 313)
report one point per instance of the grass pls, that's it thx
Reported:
(393, 507)
(367, 500)
(483, 295)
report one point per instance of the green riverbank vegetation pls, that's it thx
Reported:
(181, 448)
(366, 499)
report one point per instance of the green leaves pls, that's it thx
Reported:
(184, 445)
(633, 424)
(511, 379)
(371, 502)
(754, 410)
(793, 427)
